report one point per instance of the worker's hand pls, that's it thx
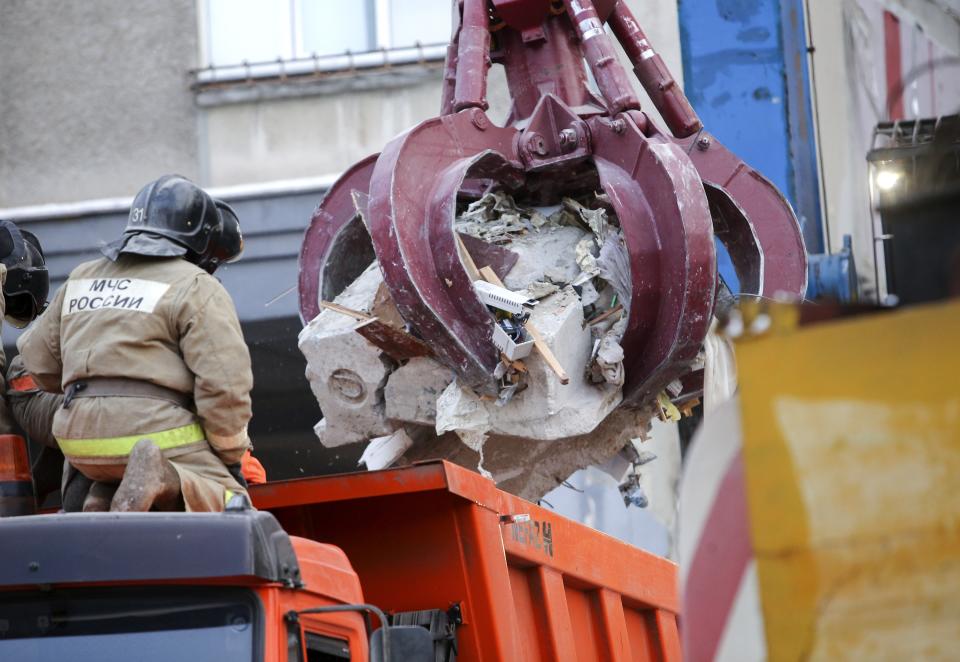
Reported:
(236, 470)
(253, 471)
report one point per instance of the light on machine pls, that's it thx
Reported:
(887, 179)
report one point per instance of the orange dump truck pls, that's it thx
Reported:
(456, 568)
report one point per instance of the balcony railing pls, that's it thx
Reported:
(318, 66)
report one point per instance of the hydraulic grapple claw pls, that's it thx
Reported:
(667, 228)
(753, 220)
(672, 194)
(413, 196)
(335, 230)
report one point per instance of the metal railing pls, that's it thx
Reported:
(317, 66)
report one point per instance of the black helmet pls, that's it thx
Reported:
(28, 282)
(172, 216)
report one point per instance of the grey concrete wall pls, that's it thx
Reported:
(312, 135)
(94, 97)
(325, 131)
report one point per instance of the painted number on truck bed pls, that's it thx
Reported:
(536, 534)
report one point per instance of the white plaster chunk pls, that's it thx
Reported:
(608, 365)
(474, 440)
(541, 288)
(460, 410)
(585, 256)
(382, 452)
(331, 433)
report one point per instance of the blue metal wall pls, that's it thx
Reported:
(745, 71)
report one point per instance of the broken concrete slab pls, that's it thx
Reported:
(346, 372)
(412, 391)
(550, 419)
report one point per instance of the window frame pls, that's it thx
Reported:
(379, 37)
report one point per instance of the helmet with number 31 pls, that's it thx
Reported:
(173, 217)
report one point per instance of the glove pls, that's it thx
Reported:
(253, 471)
(236, 470)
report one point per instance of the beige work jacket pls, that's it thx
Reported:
(161, 320)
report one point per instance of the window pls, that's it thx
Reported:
(326, 649)
(266, 30)
(116, 625)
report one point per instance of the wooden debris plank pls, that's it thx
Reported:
(395, 343)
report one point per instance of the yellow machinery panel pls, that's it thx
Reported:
(852, 456)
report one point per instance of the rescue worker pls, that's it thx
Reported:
(146, 347)
(25, 285)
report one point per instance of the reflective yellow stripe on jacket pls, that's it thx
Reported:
(118, 446)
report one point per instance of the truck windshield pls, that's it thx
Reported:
(119, 625)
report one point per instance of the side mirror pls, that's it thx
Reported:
(408, 643)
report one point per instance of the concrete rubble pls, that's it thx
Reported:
(570, 259)
(347, 374)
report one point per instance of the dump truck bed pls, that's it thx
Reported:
(531, 585)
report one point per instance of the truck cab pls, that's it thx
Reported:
(193, 586)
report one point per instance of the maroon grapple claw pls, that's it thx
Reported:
(335, 231)
(671, 191)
